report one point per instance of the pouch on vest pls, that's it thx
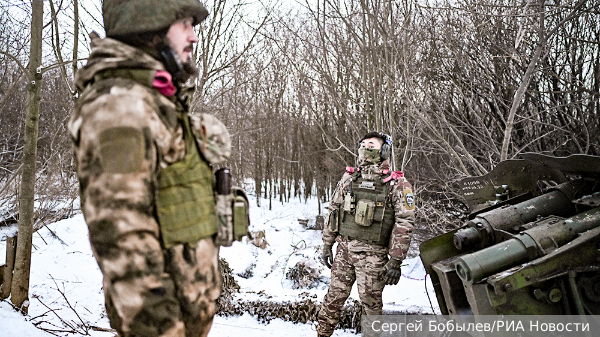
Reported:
(348, 202)
(234, 217)
(333, 220)
(365, 209)
(379, 208)
(224, 199)
(225, 220)
(241, 213)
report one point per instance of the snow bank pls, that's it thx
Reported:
(66, 284)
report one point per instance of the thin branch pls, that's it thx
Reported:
(83, 324)
(23, 69)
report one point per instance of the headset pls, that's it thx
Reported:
(386, 147)
(172, 62)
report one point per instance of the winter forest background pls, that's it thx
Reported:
(460, 85)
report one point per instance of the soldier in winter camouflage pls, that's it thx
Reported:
(143, 163)
(371, 216)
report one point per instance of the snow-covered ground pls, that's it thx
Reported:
(66, 284)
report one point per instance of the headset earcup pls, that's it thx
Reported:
(385, 151)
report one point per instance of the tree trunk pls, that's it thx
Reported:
(11, 245)
(75, 34)
(20, 284)
(524, 84)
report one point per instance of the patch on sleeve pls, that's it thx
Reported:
(122, 150)
(409, 198)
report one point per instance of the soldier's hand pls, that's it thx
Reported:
(327, 255)
(391, 272)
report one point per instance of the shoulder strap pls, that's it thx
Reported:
(354, 172)
(142, 76)
(395, 175)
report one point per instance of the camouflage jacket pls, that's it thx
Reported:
(404, 212)
(124, 132)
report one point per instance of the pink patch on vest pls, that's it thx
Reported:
(395, 175)
(163, 83)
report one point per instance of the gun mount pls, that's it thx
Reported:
(531, 245)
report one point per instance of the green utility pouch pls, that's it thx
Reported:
(365, 209)
(241, 213)
(234, 217)
(379, 208)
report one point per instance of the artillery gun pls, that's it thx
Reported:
(531, 245)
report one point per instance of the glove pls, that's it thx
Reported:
(327, 255)
(391, 272)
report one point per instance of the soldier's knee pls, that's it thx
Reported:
(142, 306)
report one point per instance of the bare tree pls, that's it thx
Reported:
(459, 84)
(20, 282)
(541, 45)
(225, 37)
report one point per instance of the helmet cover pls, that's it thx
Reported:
(122, 17)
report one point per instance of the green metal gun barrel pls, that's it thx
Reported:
(526, 246)
(479, 232)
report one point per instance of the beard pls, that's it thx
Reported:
(190, 70)
(187, 69)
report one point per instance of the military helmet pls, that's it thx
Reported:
(386, 147)
(122, 17)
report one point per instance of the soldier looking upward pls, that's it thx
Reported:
(371, 216)
(143, 164)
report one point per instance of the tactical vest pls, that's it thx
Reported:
(185, 205)
(185, 202)
(365, 214)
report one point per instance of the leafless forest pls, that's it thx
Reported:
(459, 84)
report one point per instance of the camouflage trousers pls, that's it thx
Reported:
(151, 292)
(348, 267)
